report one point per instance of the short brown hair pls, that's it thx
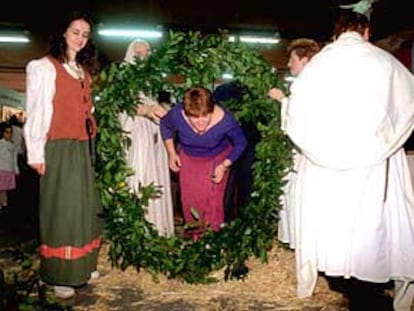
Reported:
(350, 21)
(304, 48)
(198, 102)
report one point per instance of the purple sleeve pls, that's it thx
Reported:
(237, 139)
(168, 123)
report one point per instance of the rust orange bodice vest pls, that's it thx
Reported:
(72, 106)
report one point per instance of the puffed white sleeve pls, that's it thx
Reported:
(283, 113)
(40, 90)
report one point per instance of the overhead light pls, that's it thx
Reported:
(13, 37)
(130, 33)
(227, 76)
(263, 40)
(252, 38)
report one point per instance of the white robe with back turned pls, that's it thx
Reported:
(350, 111)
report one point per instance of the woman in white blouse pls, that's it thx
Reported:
(59, 133)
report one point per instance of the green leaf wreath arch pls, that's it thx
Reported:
(196, 60)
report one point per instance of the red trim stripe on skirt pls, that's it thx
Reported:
(69, 252)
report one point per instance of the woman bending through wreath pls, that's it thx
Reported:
(209, 141)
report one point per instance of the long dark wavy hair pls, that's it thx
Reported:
(87, 57)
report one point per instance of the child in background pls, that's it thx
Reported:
(8, 163)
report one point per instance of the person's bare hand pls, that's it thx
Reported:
(156, 112)
(174, 162)
(40, 168)
(277, 94)
(219, 172)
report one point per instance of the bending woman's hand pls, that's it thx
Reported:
(219, 173)
(175, 162)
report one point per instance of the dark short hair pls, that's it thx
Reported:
(3, 127)
(349, 20)
(164, 97)
(227, 91)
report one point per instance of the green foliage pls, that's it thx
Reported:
(19, 282)
(194, 60)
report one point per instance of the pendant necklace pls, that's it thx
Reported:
(77, 70)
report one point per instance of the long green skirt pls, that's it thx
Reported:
(70, 222)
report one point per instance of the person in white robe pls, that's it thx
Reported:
(300, 52)
(350, 111)
(147, 155)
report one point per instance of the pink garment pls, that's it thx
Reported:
(199, 192)
(7, 180)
